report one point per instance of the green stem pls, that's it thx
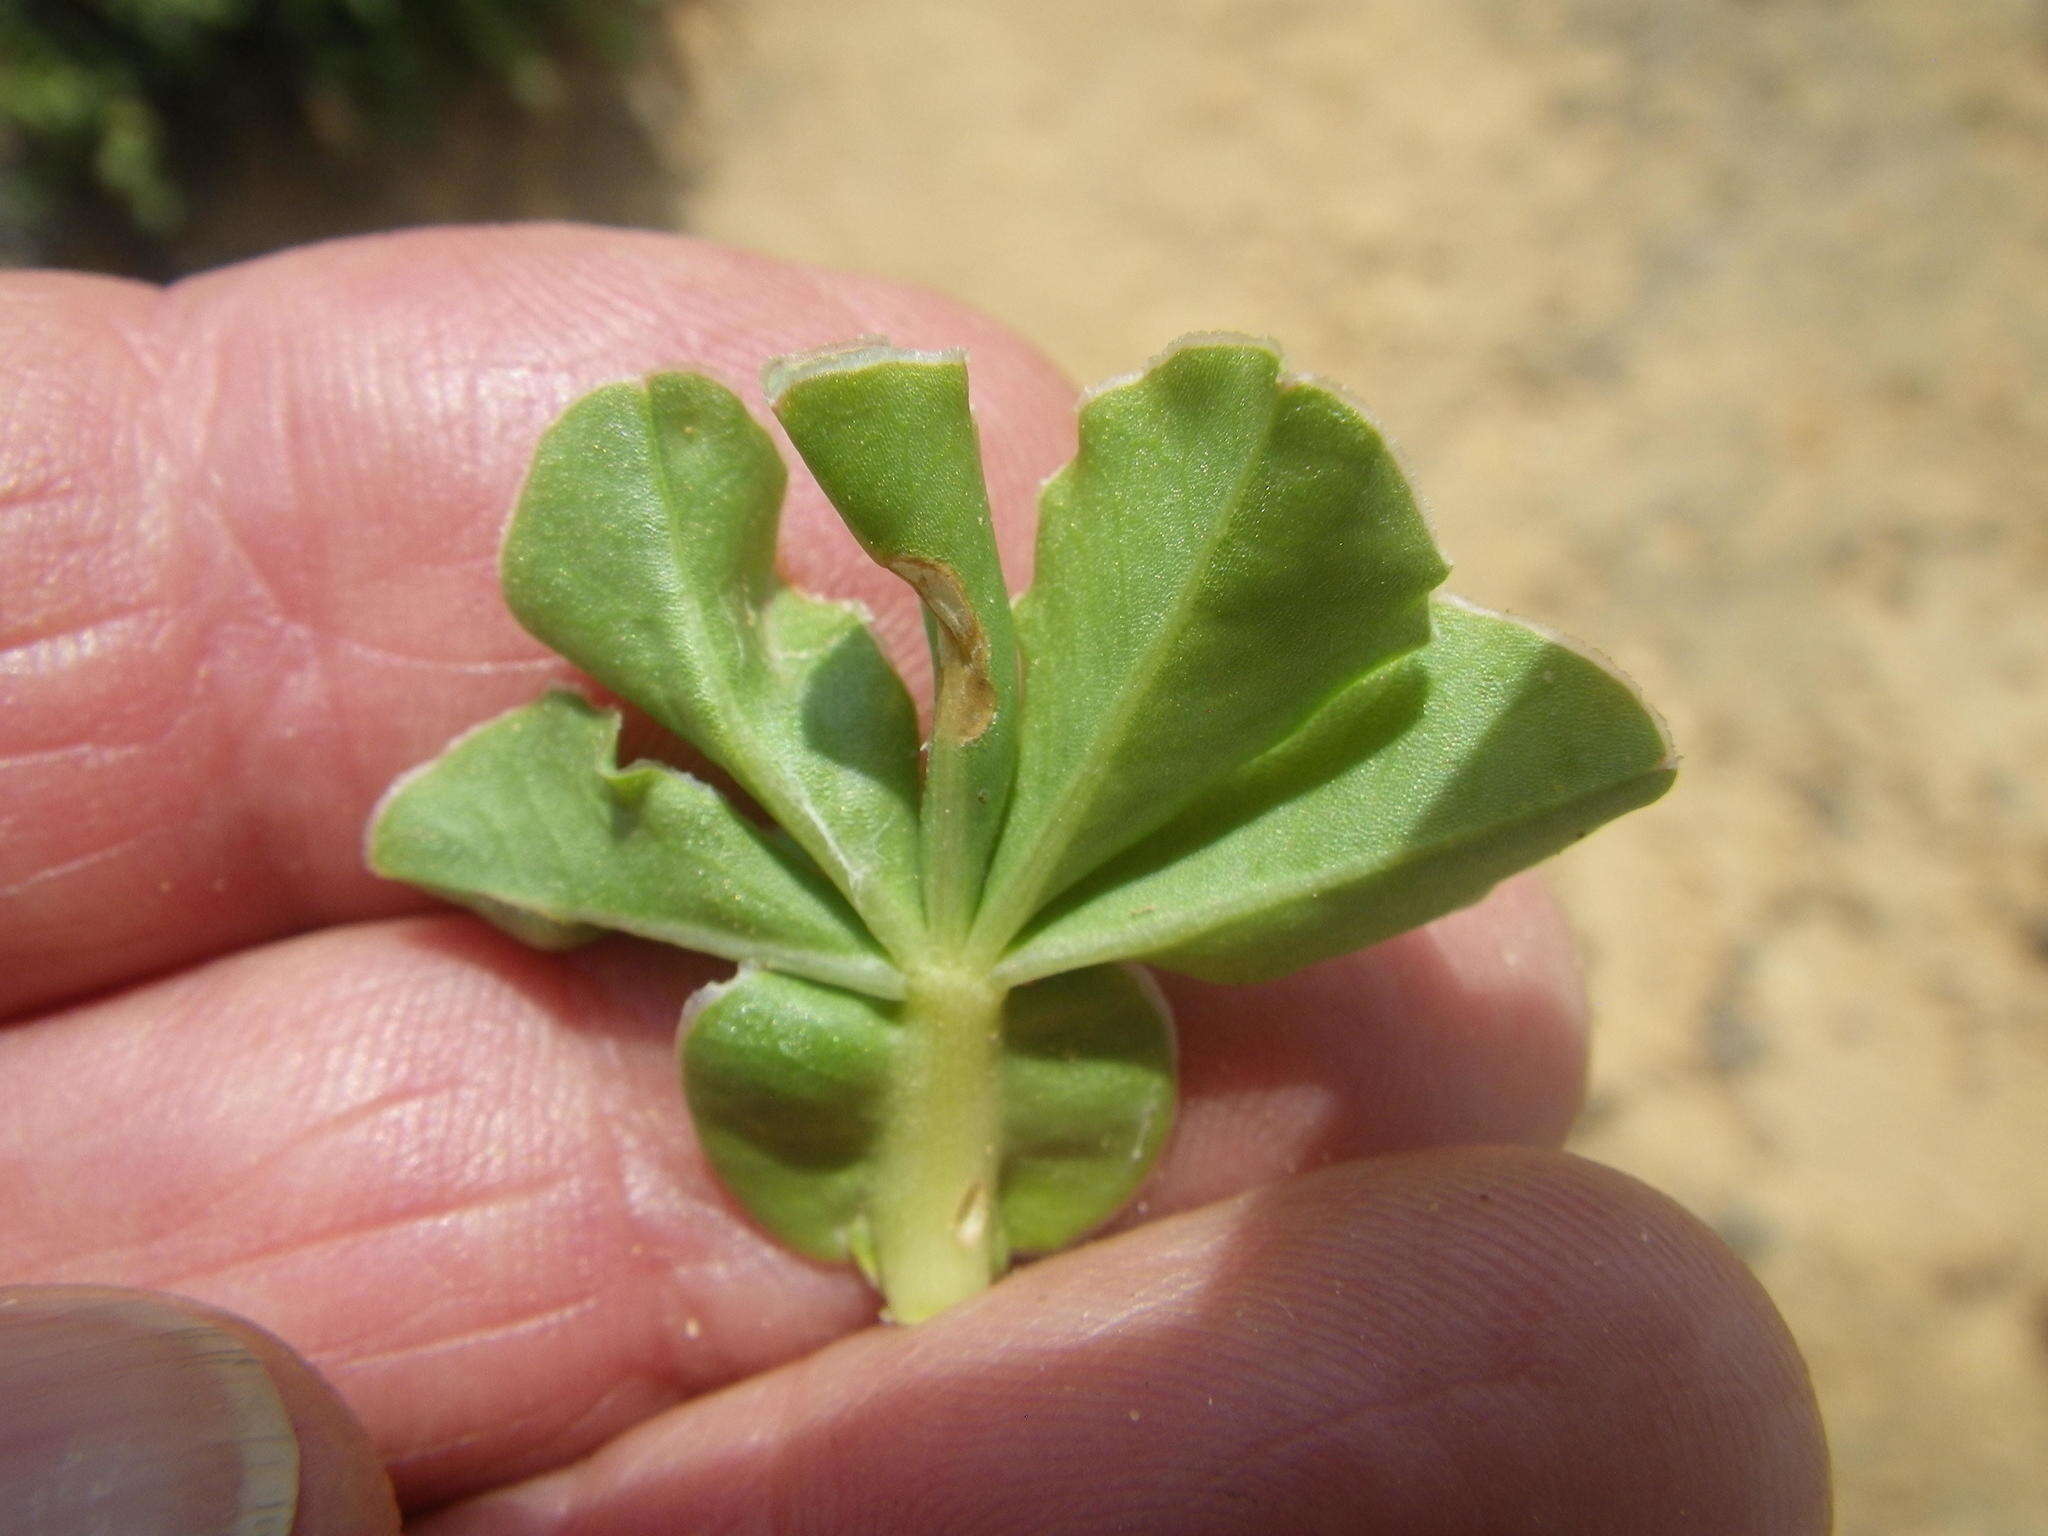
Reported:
(936, 1235)
(958, 821)
(950, 885)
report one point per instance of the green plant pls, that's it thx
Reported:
(102, 92)
(1227, 732)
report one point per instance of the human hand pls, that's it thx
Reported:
(247, 545)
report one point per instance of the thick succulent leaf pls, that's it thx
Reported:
(786, 1081)
(890, 438)
(1088, 1099)
(643, 550)
(528, 821)
(789, 1083)
(1516, 746)
(1228, 550)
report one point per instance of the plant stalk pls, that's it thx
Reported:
(936, 1234)
(950, 872)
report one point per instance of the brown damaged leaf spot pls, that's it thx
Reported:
(967, 691)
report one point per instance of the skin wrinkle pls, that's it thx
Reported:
(40, 757)
(31, 653)
(604, 1411)
(31, 484)
(247, 1180)
(57, 872)
(482, 1204)
(254, 604)
(365, 1113)
(381, 1009)
(165, 475)
(100, 755)
(287, 1164)
(408, 1463)
(641, 1238)
(186, 387)
(667, 1285)
(634, 1396)
(139, 341)
(656, 1389)
(324, 600)
(508, 1328)
(47, 652)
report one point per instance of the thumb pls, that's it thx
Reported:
(151, 1415)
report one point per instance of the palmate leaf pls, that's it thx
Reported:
(1228, 732)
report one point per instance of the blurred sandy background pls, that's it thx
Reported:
(1712, 331)
(1715, 332)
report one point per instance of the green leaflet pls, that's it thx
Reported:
(643, 550)
(1088, 1067)
(527, 819)
(1503, 746)
(889, 437)
(1228, 732)
(1228, 549)
(789, 1084)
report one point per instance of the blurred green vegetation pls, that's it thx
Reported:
(105, 97)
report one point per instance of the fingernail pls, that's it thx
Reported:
(120, 1413)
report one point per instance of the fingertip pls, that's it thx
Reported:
(1447, 1344)
(149, 1413)
(343, 1487)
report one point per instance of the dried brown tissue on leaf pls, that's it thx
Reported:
(967, 691)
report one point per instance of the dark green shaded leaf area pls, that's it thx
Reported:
(1230, 731)
(789, 1084)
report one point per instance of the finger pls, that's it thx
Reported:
(247, 567)
(459, 1175)
(1470, 1030)
(456, 1175)
(1456, 1343)
(156, 1416)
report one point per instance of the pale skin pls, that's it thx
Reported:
(247, 536)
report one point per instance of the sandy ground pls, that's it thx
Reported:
(1713, 332)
